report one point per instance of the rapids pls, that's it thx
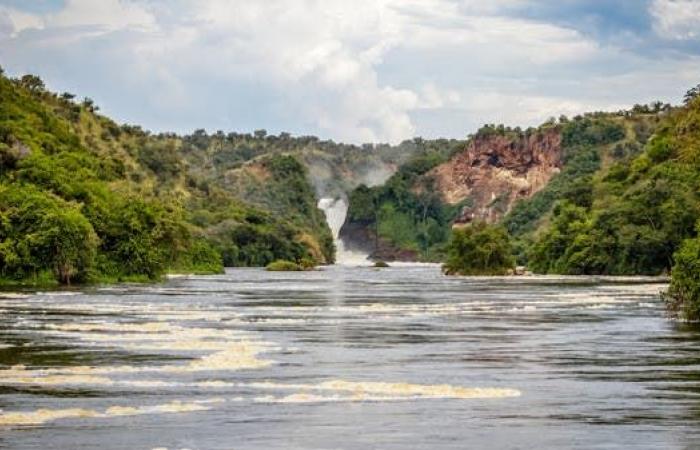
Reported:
(348, 358)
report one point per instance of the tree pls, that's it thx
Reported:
(71, 244)
(40, 232)
(549, 252)
(89, 104)
(683, 296)
(479, 249)
(691, 95)
(32, 83)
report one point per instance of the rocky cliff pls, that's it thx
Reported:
(481, 179)
(497, 169)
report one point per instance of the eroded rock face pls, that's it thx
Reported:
(495, 171)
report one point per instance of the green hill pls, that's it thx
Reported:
(499, 174)
(84, 199)
(622, 197)
(631, 215)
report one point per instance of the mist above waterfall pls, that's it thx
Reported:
(336, 210)
(331, 180)
(375, 175)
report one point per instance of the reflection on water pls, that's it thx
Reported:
(349, 358)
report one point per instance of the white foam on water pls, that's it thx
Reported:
(416, 264)
(223, 350)
(40, 378)
(12, 296)
(58, 293)
(232, 356)
(647, 305)
(147, 327)
(41, 416)
(218, 347)
(380, 391)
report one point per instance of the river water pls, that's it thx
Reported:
(348, 358)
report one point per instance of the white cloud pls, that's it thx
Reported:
(433, 97)
(335, 49)
(523, 109)
(18, 21)
(676, 19)
(355, 71)
(108, 15)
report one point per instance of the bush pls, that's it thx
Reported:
(40, 232)
(307, 264)
(479, 249)
(283, 266)
(683, 296)
(200, 258)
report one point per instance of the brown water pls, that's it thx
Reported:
(349, 358)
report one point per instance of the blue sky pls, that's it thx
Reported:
(354, 71)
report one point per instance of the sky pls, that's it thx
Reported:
(354, 70)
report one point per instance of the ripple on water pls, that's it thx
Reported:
(574, 346)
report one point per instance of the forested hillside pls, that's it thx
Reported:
(622, 198)
(140, 204)
(636, 216)
(84, 199)
(499, 173)
(405, 218)
(629, 216)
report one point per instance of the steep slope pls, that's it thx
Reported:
(638, 211)
(497, 169)
(405, 218)
(499, 174)
(85, 199)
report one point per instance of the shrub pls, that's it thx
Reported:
(683, 296)
(40, 232)
(283, 266)
(307, 264)
(479, 249)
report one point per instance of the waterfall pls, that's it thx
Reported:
(336, 209)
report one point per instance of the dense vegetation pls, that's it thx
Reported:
(626, 201)
(69, 214)
(639, 212)
(407, 212)
(684, 293)
(624, 204)
(479, 249)
(642, 216)
(84, 199)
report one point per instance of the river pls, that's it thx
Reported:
(348, 358)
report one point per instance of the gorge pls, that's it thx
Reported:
(121, 327)
(349, 225)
